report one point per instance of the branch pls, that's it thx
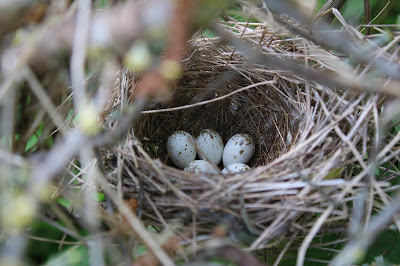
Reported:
(355, 250)
(322, 34)
(135, 223)
(367, 12)
(323, 77)
(11, 12)
(114, 29)
(124, 124)
(155, 82)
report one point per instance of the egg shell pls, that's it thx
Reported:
(181, 148)
(238, 149)
(201, 167)
(235, 168)
(211, 145)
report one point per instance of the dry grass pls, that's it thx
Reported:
(312, 142)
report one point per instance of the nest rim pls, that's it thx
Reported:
(279, 187)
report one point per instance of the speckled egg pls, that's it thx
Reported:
(235, 168)
(238, 149)
(201, 167)
(211, 145)
(181, 148)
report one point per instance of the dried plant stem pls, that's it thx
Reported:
(314, 230)
(367, 14)
(135, 223)
(45, 100)
(355, 249)
(283, 251)
(269, 82)
(325, 14)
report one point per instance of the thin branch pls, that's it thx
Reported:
(323, 34)
(376, 85)
(355, 250)
(314, 230)
(79, 45)
(367, 12)
(182, 107)
(114, 29)
(124, 124)
(135, 223)
(11, 12)
(44, 99)
(55, 160)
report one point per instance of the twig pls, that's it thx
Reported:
(182, 107)
(62, 229)
(11, 12)
(323, 35)
(314, 230)
(245, 217)
(55, 160)
(12, 159)
(44, 99)
(105, 30)
(154, 207)
(367, 12)
(42, 239)
(13, 248)
(283, 251)
(79, 45)
(124, 123)
(135, 223)
(369, 85)
(155, 82)
(358, 211)
(355, 250)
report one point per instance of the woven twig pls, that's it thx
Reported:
(312, 142)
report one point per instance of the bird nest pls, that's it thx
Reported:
(306, 136)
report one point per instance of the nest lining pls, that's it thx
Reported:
(304, 134)
(260, 111)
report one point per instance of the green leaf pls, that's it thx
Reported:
(39, 252)
(387, 243)
(334, 173)
(64, 202)
(101, 4)
(100, 197)
(34, 139)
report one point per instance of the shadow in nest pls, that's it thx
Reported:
(228, 96)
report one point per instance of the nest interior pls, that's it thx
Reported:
(229, 97)
(305, 134)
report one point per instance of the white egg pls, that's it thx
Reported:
(238, 149)
(201, 167)
(211, 145)
(181, 148)
(235, 168)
